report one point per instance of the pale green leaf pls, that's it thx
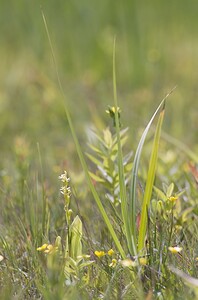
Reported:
(170, 190)
(160, 194)
(75, 238)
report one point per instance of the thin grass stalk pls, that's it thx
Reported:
(149, 183)
(80, 153)
(132, 202)
(123, 193)
(44, 201)
(170, 234)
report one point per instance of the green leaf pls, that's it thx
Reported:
(85, 264)
(95, 149)
(94, 160)
(96, 178)
(108, 138)
(170, 189)
(128, 167)
(122, 134)
(122, 142)
(160, 194)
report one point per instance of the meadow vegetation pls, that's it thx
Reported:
(98, 168)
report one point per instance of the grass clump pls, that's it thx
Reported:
(155, 259)
(138, 242)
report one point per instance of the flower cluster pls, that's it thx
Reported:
(111, 253)
(66, 192)
(173, 199)
(65, 189)
(112, 112)
(99, 254)
(47, 248)
(63, 177)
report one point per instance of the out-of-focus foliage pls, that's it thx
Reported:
(156, 49)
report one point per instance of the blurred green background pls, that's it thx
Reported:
(156, 49)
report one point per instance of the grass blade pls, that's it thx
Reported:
(132, 200)
(190, 281)
(150, 182)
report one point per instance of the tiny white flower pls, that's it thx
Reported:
(63, 177)
(63, 190)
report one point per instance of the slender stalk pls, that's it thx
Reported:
(80, 153)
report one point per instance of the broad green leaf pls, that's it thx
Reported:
(75, 238)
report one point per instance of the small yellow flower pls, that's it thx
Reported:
(49, 249)
(178, 227)
(175, 250)
(113, 263)
(173, 198)
(42, 248)
(196, 258)
(143, 261)
(112, 110)
(110, 252)
(99, 254)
